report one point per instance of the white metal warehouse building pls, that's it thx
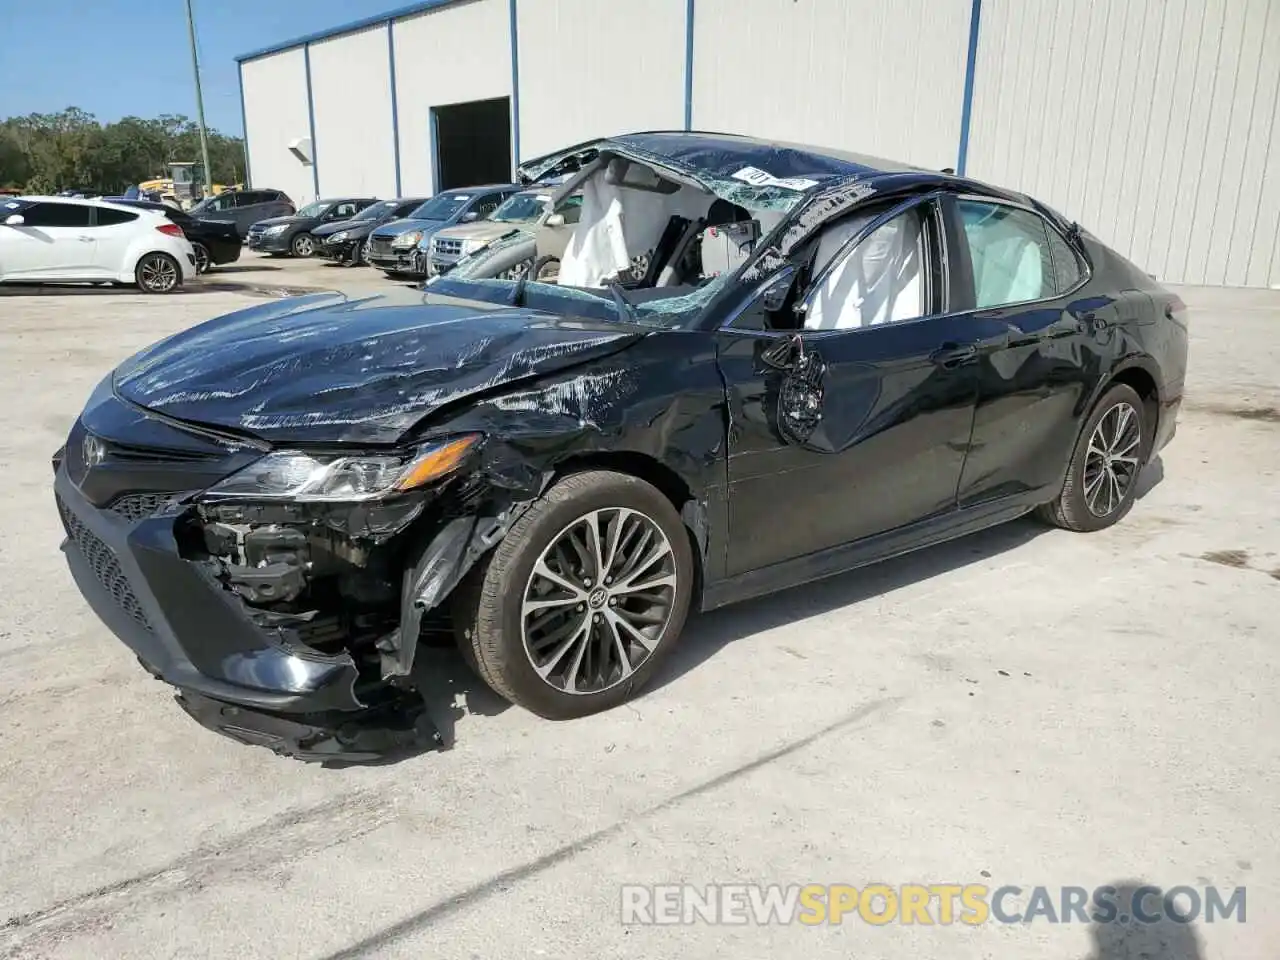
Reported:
(1153, 122)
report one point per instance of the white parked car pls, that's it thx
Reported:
(62, 239)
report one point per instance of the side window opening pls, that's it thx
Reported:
(1010, 252)
(881, 280)
(1067, 270)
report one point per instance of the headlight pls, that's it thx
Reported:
(297, 476)
(338, 237)
(407, 239)
(278, 228)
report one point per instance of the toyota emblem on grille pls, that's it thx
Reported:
(93, 450)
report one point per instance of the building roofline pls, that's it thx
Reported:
(422, 6)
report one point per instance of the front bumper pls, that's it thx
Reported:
(233, 676)
(345, 251)
(398, 261)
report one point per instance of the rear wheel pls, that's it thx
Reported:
(546, 270)
(517, 271)
(583, 598)
(157, 273)
(1102, 478)
(203, 260)
(304, 245)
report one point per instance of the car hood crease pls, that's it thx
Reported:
(327, 369)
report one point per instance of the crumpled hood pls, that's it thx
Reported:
(353, 228)
(397, 227)
(327, 369)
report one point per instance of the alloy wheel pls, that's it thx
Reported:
(202, 257)
(303, 246)
(1111, 463)
(157, 273)
(598, 601)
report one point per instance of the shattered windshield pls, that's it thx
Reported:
(521, 208)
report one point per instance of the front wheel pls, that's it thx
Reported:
(583, 598)
(1102, 478)
(157, 273)
(303, 245)
(517, 271)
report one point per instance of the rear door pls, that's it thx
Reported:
(1019, 271)
(113, 232)
(53, 243)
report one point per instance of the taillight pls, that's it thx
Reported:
(171, 229)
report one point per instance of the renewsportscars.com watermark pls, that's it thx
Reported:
(924, 904)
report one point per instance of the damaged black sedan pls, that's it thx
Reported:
(761, 364)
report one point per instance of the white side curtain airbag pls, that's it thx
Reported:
(878, 282)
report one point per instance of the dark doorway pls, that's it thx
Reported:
(472, 143)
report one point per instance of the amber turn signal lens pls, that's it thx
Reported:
(437, 461)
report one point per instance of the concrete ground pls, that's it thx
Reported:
(1025, 706)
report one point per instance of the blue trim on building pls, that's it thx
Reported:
(433, 147)
(311, 119)
(688, 64)
(515, 86)
(395, 107)
(400, 12)
(966, 114)
(244, 125)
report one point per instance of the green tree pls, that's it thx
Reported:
(47, 152)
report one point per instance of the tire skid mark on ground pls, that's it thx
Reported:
(289, 836)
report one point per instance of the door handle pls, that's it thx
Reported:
(953, 355)
(85, 239)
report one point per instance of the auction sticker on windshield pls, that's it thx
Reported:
(760, 178)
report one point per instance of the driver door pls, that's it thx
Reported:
(858, 423)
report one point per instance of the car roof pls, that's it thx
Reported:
(481, 187)
(77, 201)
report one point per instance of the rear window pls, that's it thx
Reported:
(110, 218)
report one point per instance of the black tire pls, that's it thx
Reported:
(303, 245)
(546, 269)
(157, 273)
(204, 262)
(1078, 507)
(488, 606)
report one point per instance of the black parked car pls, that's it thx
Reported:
(244, 208)
(214, 243)
(292, 234)
(348, 241)
(792, 362)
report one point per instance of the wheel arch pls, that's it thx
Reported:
(1140, 374)
(658, 475)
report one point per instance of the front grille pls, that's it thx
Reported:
(380, 246)
(102, 561)
(255, 233)
(137, 506)
(448, 248)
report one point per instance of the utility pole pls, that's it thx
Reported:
(204, 137)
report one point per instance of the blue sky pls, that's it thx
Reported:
(119, 57)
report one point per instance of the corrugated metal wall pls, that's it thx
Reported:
(456, 53)
(275, 113)
(1152, 122)
(884, 77)
(351, 97)
(590, 68)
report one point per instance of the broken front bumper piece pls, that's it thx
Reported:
(233, 676)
